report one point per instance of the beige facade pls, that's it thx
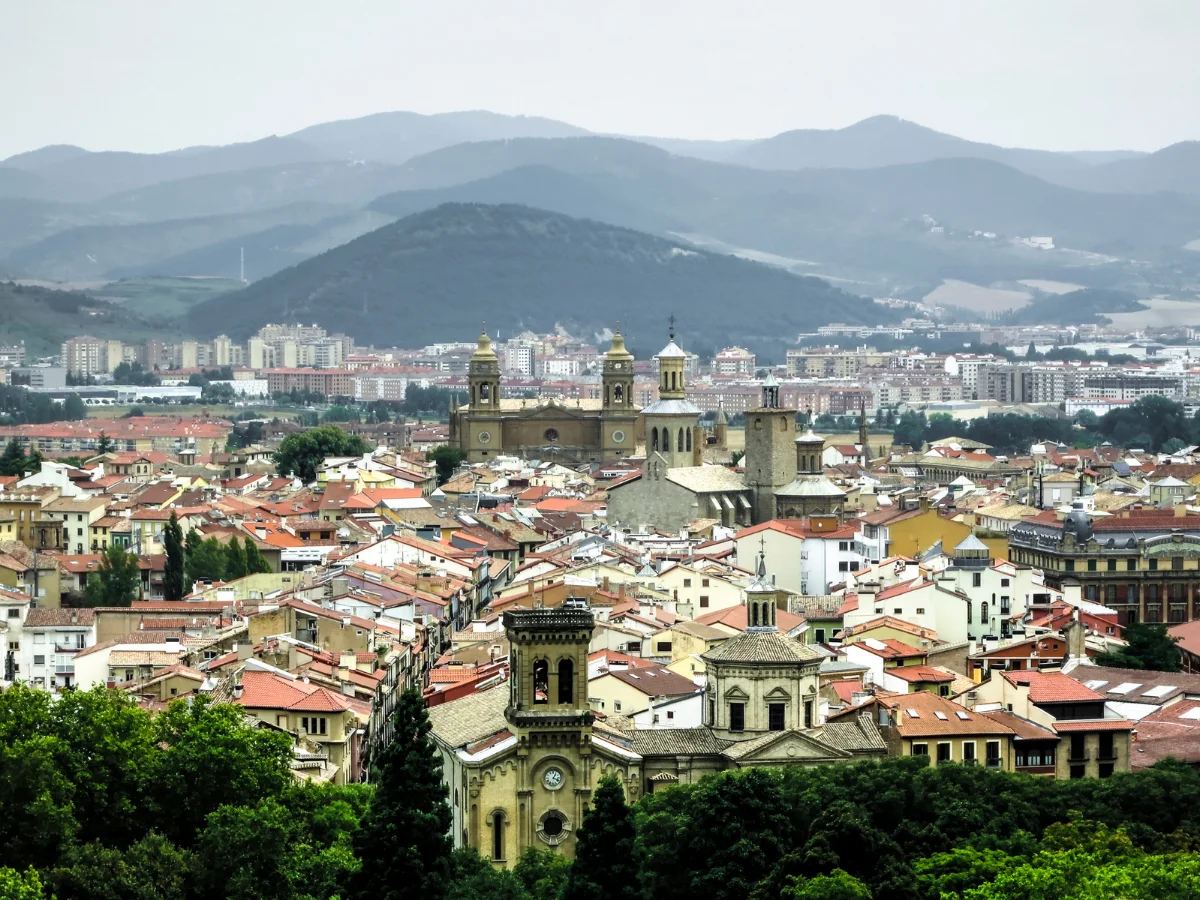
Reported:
(568, 431)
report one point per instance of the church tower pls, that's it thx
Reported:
(864, 435)
(479, 436)
(670, 422)
(548, 713)
(810, 493)
(721, 428)
(618, 416)
(770, 457)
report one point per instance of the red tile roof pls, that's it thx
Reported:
(1052, 687)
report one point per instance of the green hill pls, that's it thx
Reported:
(433, 276)
(44, 318)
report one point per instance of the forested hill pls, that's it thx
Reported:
(435, 275)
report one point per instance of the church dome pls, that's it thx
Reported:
(809, 438)
(483, 349)
(672, 351)
(618, 349)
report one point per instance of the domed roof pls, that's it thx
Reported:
(770, 381)
(483, 349)
(618, 349)
(1078, 522)
(809, 438)
(671, 351)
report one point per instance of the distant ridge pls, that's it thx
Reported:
(431, 276)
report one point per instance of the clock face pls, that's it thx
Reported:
(553, 779)
(484, 436)
(618, 437)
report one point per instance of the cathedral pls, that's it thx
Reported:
(521, 760)
(782, 475)
(566, 431)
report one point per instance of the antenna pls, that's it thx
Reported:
(242, 274)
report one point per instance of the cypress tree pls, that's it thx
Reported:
(255, 562)
(173, 574)
(235, 560)
(605, 866)
(404, 842)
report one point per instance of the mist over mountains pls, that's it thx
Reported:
(884, 207)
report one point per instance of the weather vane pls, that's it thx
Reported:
(671, 321)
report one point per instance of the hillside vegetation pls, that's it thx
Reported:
(44, 318)
(435, 275)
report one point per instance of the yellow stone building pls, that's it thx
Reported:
(521, 761)
(568, 431)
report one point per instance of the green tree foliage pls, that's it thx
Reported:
(340, 413)
(300, 454)
(20, 406)
(213, 759)
(1150, 646)
(474, 878)
(256, 563)
(447, 459)
(25, 885)
(403, 844)
(605, 866)
(542, 872)
(73, 409)
(837, 885)
(133, 373)
(206, 560)
(173, 581)
(105, 445)
(15, 462)
(235, 559)
(117, 581)
(1151, 423)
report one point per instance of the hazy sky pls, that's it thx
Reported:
(159, 75)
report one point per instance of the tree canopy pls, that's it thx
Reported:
(300, 454)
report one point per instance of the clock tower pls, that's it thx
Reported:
(548, 713)
(618, 415)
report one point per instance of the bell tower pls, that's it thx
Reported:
(548, 713)
(479, 431)
(770, 457)
(670, 421)
(618, 416)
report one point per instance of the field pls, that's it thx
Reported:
(1163, 313)
(976, 298)
(192, 411)
(163, 298)
(1051, 287)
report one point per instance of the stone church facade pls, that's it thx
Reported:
(566, 431)
(522, 760)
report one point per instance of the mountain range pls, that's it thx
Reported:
(883, 206)
(435, 275)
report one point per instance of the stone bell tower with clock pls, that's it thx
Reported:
(549, 715)
(618, 415)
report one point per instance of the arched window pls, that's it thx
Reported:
(484, 393)
(754, 614)
(689, 439)
(679, 443)
(672, 381)
(618, 394)
(541, 681)
(498, 835)
(983, 614)
(566, 682)
(606, 402)
(653, 438)
(666, 439)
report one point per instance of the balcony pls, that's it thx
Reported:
(1078, 760)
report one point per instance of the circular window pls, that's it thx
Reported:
(551, 435)
(553, 827)
(484, 436)
(618, 437)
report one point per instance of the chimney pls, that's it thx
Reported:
(621, 590)
(237, 691)
(244, 650)
(971, 697)
(605, 584)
